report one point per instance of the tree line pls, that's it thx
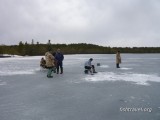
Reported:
(32, 49)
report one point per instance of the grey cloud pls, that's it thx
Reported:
(106, 22)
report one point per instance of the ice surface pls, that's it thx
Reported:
(27, 94)
(19, 65)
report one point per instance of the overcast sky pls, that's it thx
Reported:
(121, 23)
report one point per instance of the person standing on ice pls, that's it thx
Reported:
(59, 59)
(118, 59)
(89, 67)
(49, 63)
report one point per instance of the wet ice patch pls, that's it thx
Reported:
(140, 79)
(2, 83)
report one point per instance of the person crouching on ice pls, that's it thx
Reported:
(89, 67)
(49, 63)
(43, 63)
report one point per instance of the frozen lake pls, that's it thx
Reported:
(111, 94)
(137, 68)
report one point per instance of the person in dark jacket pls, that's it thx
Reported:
(59, 58)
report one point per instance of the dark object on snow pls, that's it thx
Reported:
(4, 56)
(98, 64)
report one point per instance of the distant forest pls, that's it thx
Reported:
(32, 49)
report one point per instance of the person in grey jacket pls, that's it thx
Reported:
(89, 67)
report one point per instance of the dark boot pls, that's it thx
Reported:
(94, 71)
(61, 70)
(117, 65)
(86, 71)
(57, 70)
(93, 68)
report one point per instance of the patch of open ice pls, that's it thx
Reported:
(140, 79)
(104, 66)
(123, 68)
(132, 97)
(23, 72)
